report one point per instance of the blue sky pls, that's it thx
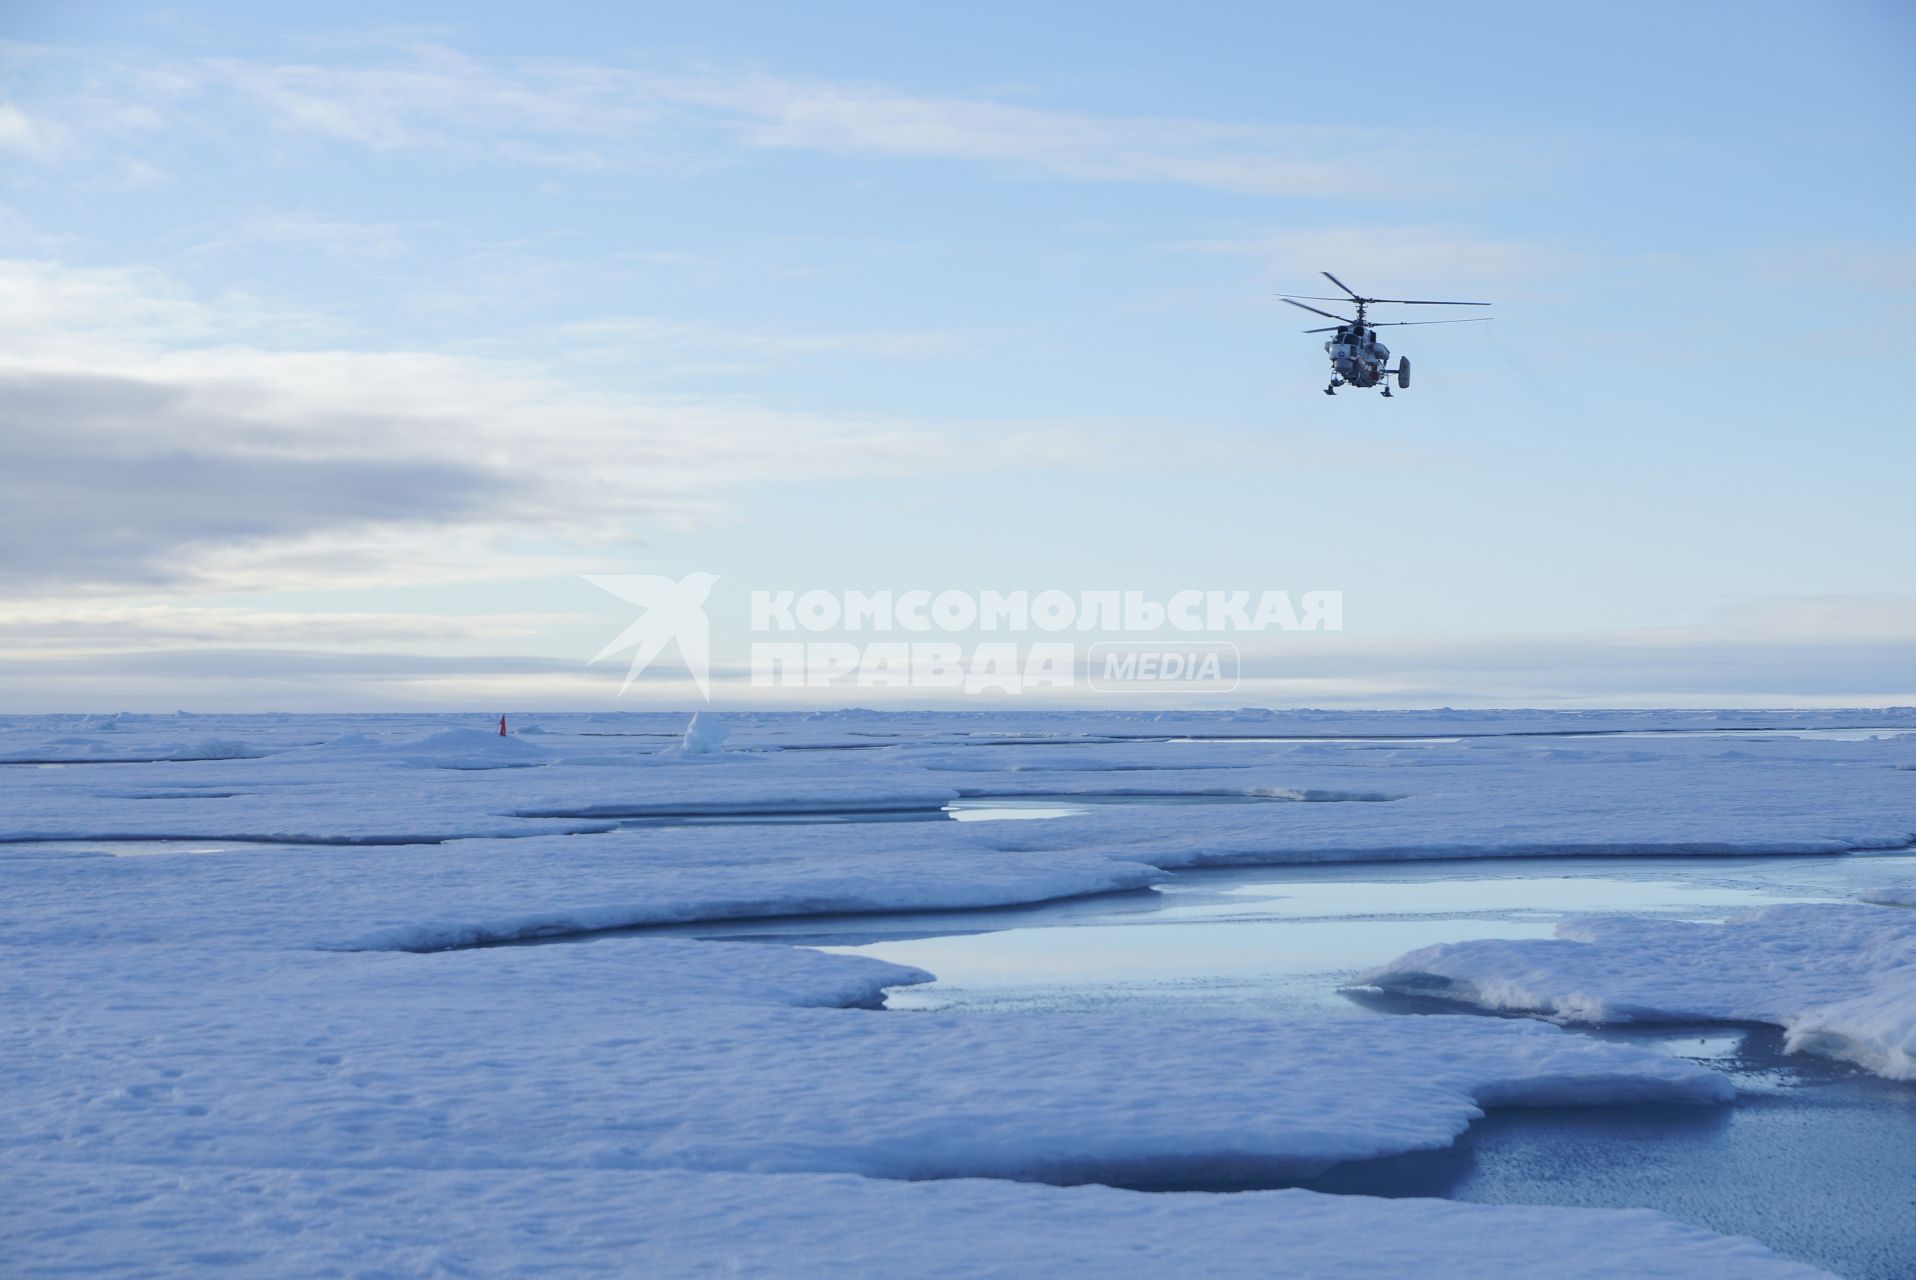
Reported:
(339, 344)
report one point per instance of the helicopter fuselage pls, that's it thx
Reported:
(1357, 356)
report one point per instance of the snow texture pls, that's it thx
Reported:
(1892, 895)
(1839, 978)
(1387, 799)
(268, 1059)
(655, 1053)
(704, 736)
(140, 1221)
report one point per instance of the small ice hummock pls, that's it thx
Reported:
(1901, 894)
(704, 736)
(1839, 978)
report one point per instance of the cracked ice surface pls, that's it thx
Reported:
(1477, 797)
(1839, 978)
(194, 1044)
(501, 1090)
(432, 896)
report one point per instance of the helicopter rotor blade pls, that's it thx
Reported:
(1326, 314)
(1330, 328)
(1426, 302)
(1355, 297)
(1472, 320)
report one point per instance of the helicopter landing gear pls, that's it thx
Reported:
(1335, 384)
(1387, 394)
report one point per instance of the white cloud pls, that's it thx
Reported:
(64, 627)
(170, 454)
(1778, 651)
(681, 346)
(353, 242)
(144, 455)
(1268, 159)
(1592, 669)
(17, 132)
(603, 115)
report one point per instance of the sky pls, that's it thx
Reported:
(338, 344)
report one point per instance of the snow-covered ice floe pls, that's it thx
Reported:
(142, 1221)
(1839, 978)
(215, 1061)
(579, 1101)
(657, 1053)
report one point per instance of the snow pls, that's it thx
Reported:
(705, 735)
(90, 750)
(140, 1221)
(1892, 895)
(160, 1041)
(1473, 798)
(455, 749)
(21, 737)
(654, 1053)
(269, 1059)
(1839, 978)
(477, 890)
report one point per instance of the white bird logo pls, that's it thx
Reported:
(674, 610)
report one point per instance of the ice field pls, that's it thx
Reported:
(872, 993)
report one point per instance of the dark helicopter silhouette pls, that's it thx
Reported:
(1358, 359)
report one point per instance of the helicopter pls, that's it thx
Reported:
(1358, 359)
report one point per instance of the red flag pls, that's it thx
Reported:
(502, 726)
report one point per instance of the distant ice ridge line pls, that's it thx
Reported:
(93, 751)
